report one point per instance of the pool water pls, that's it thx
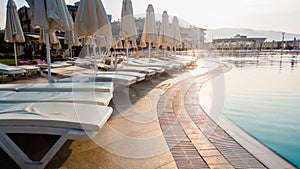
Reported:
(263, 98)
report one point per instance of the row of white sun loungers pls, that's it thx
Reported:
(131, 71)
(74, 108)
(170, 63)
(122, 76)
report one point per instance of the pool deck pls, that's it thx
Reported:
(161, 124)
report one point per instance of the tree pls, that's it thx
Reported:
(4, 46)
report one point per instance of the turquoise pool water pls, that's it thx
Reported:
(263, 98)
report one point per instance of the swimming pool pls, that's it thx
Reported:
(263, 98)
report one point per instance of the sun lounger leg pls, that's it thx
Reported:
(13, 150)
(54, 149)
(22, 159)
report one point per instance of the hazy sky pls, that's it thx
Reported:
(280, 15)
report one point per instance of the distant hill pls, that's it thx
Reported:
(231, 32)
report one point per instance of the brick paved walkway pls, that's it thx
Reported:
(194, 139)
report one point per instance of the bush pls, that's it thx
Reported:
(7, 56)
(10, 62)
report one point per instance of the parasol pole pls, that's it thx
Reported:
(115, 59)
(71, 52)
(94, 51)
(111, 58)
(87, 47)
(50, 80)
(149, 51)
(127, 52)
(165, 54)
(15, 51)
(100, 53)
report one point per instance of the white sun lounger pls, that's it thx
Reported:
(177, 62)
(147, 71)
(63, 64)
(174, 64)
(139, 76)
(123, 77)
(156, 68)
(184, 59)
(116, 78)
(169, 64)
(30, 70)
(11, 70)
(53, 65)
(6, 93)
(79, 86)
(145, 63)
(100, 98)
(90, 76)
(71, 71)
(70, 87)
(69, 121)
(12, 87)
(122, 80)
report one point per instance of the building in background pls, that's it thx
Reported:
(139, 23)
(109, 17)
(239, 42)
(24, 15)
(77, 3)
(115, 28)
(193, 37)
(73, 10)
(287, 45)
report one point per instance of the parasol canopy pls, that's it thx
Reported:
(13, 29)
